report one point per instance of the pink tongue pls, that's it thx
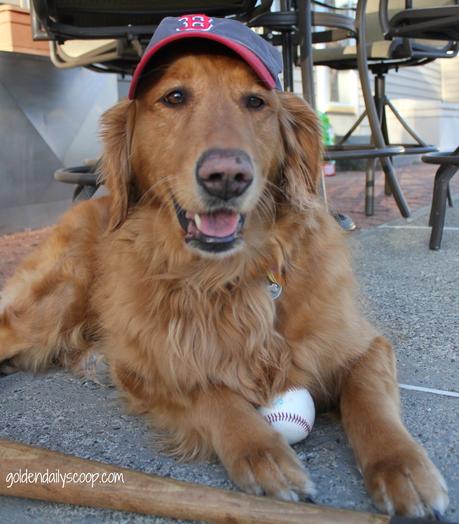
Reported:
(220, 224)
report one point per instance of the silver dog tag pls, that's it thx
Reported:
(274, 288)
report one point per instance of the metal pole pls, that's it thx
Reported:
(287, 51)
(306, 51)
(376, 133)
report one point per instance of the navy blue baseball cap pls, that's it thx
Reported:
(261, 56)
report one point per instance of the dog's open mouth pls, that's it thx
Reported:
(216, 231)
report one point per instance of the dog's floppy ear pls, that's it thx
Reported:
(302, 137)
(115, 169)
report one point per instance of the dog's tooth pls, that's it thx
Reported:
(197, 221)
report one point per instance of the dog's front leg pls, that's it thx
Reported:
(396, 470)
(257, 458)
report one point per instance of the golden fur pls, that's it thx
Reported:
(193, 339)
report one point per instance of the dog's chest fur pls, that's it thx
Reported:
(187, 334)
(230, 339)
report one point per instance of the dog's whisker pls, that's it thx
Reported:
(156, 185)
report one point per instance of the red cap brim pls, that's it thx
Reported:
(248, 56)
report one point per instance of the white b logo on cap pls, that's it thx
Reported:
(195, 23)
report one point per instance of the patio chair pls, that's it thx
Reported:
(424, 22)
(449, 165)
(111, 35)
(291, 28)
(381, 50)
(84, 178)
(433, 23)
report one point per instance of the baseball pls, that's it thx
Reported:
(292, 414)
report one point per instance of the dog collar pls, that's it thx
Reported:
(274, 286)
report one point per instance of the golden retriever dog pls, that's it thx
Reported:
(212, 181)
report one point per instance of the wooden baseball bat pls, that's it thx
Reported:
(150, 494)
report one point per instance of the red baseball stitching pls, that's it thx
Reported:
(282, 416)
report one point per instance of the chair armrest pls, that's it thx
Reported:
(81, 175)
(332, 7)
(442, 158)
(333, 20)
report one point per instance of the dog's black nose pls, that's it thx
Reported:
(224, 173)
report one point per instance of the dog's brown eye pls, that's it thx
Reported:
(254, 102)
(174, 98)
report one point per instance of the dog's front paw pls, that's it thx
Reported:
(407, 483)
(8, 367)
(271, 468)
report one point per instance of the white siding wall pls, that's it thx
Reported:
(420, 82)
(25, 4)
(450, 72)
(426, 96)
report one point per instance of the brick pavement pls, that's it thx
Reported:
(346, 193)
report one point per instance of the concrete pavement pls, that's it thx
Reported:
(412, 294)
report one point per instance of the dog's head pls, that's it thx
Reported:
(213, 146)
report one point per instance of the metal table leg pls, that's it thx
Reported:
(377, 136)
(439, 201)
(306, 57)
(307, 66)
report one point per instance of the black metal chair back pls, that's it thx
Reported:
(79, 19)
(120, 29)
